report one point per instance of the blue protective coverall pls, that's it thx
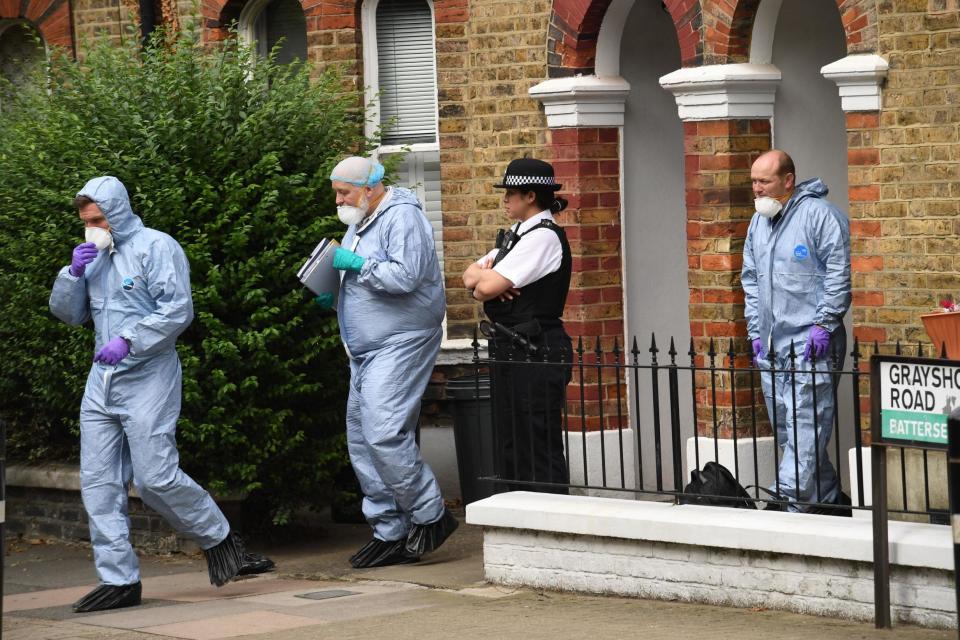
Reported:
(139, 290)
(796, 273)
(391, 316)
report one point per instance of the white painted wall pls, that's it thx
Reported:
(808, 121)
(438, 447)
(812, 564)
(654, 213)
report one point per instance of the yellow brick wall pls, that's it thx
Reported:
(485, 68)
(907, 256)
(116, 19)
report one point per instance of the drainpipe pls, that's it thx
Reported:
(148, 20)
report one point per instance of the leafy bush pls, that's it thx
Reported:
(231, 157)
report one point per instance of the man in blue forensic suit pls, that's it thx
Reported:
(796, 277)
(390, 309)
(134, 283)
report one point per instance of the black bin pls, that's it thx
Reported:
(473, 433)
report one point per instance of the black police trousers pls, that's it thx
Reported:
(528, 395)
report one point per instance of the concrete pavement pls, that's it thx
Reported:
(315, 594)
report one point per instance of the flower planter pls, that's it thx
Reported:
(944, 329)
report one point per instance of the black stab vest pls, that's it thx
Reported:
(542, 300)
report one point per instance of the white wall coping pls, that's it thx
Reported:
(857, 65)
(859, 78)
(720, 74)
(582, 101)
(724, 91)
(65, 477)
(911, 544)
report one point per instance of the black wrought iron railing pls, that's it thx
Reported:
(647, 422)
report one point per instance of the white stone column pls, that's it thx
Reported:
(582, 101)
(724, 91)
(859, 78)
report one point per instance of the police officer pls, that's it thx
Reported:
(523, 283)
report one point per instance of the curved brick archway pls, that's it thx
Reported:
(709, 31)
(321, 15)
(50, 17)
(730, 40)
(575, 27)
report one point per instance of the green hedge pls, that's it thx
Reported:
(230, 156)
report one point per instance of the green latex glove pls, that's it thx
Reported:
(347, 260)
(324, 301)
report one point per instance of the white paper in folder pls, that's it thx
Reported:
(317, 273)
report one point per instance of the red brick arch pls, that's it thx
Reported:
(50, 17)
(730, 41)
(709, 31)
(321, 15)
(575, 27)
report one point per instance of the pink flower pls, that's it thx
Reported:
(948, 306)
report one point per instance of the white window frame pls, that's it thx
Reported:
(371, 72)
(252, 26)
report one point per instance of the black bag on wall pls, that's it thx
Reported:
(715, 486)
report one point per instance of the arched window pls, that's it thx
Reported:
(266, 22)
(22, 51)
(400, 73)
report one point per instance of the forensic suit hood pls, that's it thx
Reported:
(796, 270)
(138, 290)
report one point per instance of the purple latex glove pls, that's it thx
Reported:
(758, 353)
(113, 352)
(817, 343)
(83, 254)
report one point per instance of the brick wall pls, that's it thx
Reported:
(52, 18)
(486, 66)
(718, 156)
(905, 175)
(587, 164)
(115, 19)
(727, 577)
(57, 514)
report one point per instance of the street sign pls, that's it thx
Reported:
(911, 400)
(916, 395)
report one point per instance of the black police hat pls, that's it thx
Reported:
(528, 173)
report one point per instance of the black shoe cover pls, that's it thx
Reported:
(109, 596)
(380, 553)
(424, 538)
(255, 563)
(225, 560)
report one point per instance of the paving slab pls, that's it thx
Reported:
(44, 599)
(442, 597)
(353, 590)
(138, 617)
(15, 628)
(369, 606)
(66, 613)
(201, 590)
(233, 626)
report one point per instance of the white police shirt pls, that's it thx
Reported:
(538, 254)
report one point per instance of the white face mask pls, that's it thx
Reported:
(100, 237)
(767, 207)
(353, 215)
